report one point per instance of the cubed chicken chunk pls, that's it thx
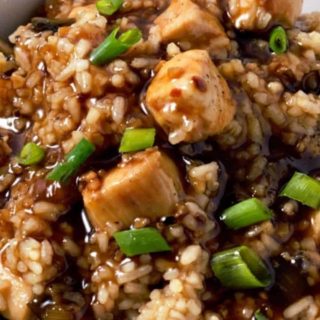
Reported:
(147, 185)
(285, 11)
(258, 14)
(185, 21)
(315, 224)
(189, 98)
(17, 295)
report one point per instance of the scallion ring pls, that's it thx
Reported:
(278, 41)
(137, 139)
(241, 268)
(31, 154)
(246, 213)
(113, 47)
(304, 189)
(259, 315)
(108, 7)
(141, 241)
(73, 161)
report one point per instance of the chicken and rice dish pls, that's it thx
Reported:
(160, 160)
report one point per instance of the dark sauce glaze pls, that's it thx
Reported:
(290, 283)
(285, 290)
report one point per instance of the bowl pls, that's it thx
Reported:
(311, 5)
(14, 13)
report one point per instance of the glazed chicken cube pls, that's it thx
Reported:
(147, 185)
(17, 295)
(186, 21)
(189, 98)
(258, 14)
(285, 11)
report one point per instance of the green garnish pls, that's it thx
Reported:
(113, 47)
(73, 161)
(246, 213)
(108, 7)
(278, 41)
(31, 154)
(137, 139)
(241, 268)
(259, 316)
(304, 189)
(141, 241)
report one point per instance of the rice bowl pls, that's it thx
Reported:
(160, 160)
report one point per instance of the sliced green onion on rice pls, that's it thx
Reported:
(31, 154)
(137, 139)
(259, 316)
(241, 268)
(108, 7)
(246, 213)
(304, 189)
(112, 47)
(141, 241)
(278, 41)
(73, 161)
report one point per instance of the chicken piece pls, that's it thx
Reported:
(147, 185)
(189, 98)
(285, 11)
(315, 224)
(258, 14)
(185, 21)
(17, 295)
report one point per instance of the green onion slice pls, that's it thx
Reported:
(246, 213)
(278, 41)
(113, 47)
(73, 161)
(141, 241)
(241, 268)
(303, 189)
(259, 316)
(108, 7)
(137, 139)
(31, 154)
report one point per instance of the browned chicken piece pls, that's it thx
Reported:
(17, 295)
(258, 14)
(189, 98)
(315, 224)
(147, 185)
(285, 11)
(185, 21)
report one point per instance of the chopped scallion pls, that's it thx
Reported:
(137, 139)
(246, 213)
(304, 189)
(241, 268)
(278, 41)
(31, 154)
(141, 241)
(73, 161)
(259, 316)
(108, 7)
(113, 47)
